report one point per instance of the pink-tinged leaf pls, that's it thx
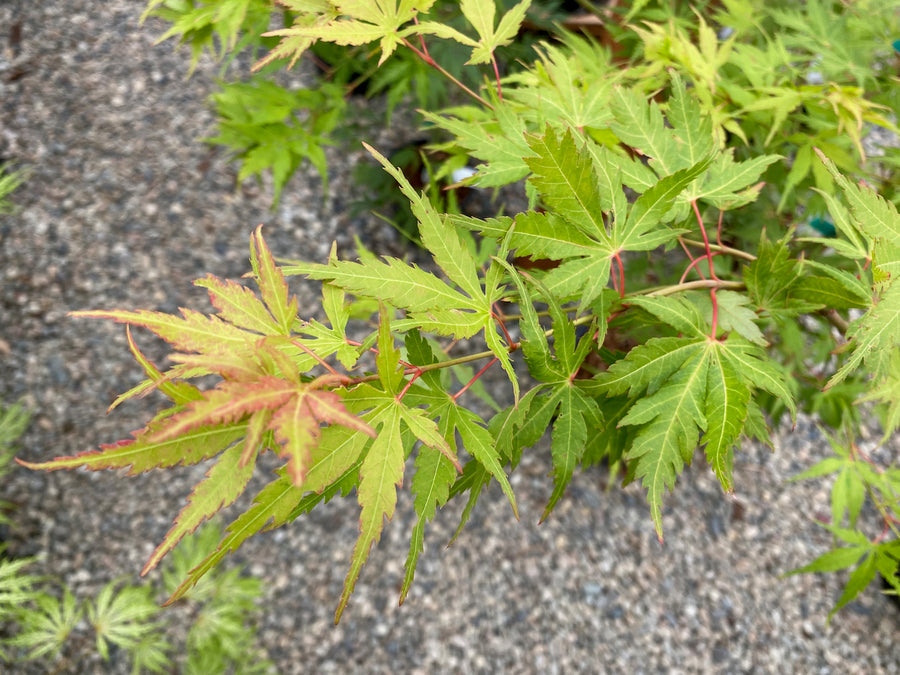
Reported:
(380, 476)
(256, 427)
(239, 365)
(328, 407)
(279, 354)
(224, 483)
(145, 452)
(239, 305)
(271, 282)
(228, 402)
(195, 332)
(297, 429)
(271, 508)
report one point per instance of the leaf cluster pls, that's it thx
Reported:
(659, 301)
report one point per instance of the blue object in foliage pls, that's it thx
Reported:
(896, 46)
(824, 226)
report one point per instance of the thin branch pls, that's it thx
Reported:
(690, 286)
(736, 252)
(434, 64)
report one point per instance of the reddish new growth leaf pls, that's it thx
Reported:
(264, 393)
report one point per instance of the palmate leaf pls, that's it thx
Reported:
(431, 486)
(382, 467)
(380, 476)
(693, 386)
(684, 138)
(433, 304)
(263, 399)
(449, 251)
(366, 22)
(435, 475)
(498, 139)
(559, 394)
(481, 14)
(271, 283)
(584, 188)
(381, 471)
(875, 336)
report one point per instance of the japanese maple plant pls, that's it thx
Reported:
(666, 316)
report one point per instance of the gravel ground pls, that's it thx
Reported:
(124, 208)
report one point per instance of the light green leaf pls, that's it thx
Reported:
(727, 399)
(874, 337)
(380, 476)
(431, 485)
(675, 416)
(438, 236)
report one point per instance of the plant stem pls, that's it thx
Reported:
(497, 77)
(690, 286)
(475, 378)
(712, 270)
(434, 64)
(836, 320)
(736, 252)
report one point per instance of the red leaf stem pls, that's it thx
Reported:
(712, 271)
(474, 379)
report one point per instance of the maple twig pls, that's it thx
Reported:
(422, 39)
(736, 252)
(836, 320)
(474, 379)
(693, 264)
(689, 286)
(437, 66)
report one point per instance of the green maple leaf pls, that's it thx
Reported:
(570, 84)
(559, 394)
(381, 474)
(874, 336)
(145, 452)
(685, 137)
(433, 304)
(272, 284)
(431, 485)
(382, 467)
(481, 14)
(693, 387)
(366, 22)
(591, 222)
(435, 477)
(496, 137)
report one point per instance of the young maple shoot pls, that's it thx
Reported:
(671, 320)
